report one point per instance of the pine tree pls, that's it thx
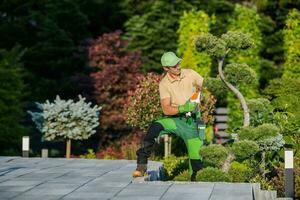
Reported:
(12, 90)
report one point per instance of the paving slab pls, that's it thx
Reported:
(67, 179)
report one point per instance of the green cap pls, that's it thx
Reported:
(169, 59)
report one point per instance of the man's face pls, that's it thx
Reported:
(174, 70)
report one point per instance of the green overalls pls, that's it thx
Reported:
(185, 128)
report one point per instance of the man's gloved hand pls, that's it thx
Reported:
(187, 107)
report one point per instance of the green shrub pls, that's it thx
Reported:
(291, 45)
(240, 172)
(144, 104)
(244, 149)
(266, 136)
(211, 174)
(265, 184)
(214, 155)
(183, 176)
(238, 74)
(258, 133)
(260, 111)
(89, 155)
(174, 165)
(279, 179)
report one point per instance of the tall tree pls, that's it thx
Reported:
(51, 30)
(12, 90)
(193, 24)
(104, 16)
(153, 30)
(116, 73)
(292, 45)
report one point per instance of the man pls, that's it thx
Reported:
(175, 90)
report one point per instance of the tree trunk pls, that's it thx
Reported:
(229, 159)
(68, 149)
(236, 92)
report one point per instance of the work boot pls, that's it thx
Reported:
(193, 177)
(140, 171)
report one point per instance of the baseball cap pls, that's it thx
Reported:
(169, 59)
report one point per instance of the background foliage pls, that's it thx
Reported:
(76, 47)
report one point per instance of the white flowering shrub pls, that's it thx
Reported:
(67, 119)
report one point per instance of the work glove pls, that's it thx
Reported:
(187, 107)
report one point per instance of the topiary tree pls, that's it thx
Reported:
(292, 45)
(219, 48)
(193, 24)
(261, 111)
(267, 137)
(246, 20)
(244, 149)
(214, 155)
(211, 174)
(240, 172)
(67, 120)
(174, 165)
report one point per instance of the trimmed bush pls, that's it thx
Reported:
(240, 172)
(261, 111)
(211, 174)
(258, 133)
(89, 155)
(244, 149)
(183, 176)
(266, 136)
(174, 165)
(214, 155)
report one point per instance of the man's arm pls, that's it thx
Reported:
(167, 108)
(198, 81)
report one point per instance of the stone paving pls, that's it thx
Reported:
(59, 178)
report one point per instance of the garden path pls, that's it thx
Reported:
(59, 178)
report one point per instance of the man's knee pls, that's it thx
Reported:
(196, 164)
(153, 131)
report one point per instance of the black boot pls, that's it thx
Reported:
(196, 166)
(193, 177)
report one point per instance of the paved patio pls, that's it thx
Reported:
(59, 178)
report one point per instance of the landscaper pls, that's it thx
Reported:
(175, 90)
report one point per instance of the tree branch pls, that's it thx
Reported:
(235, 91)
